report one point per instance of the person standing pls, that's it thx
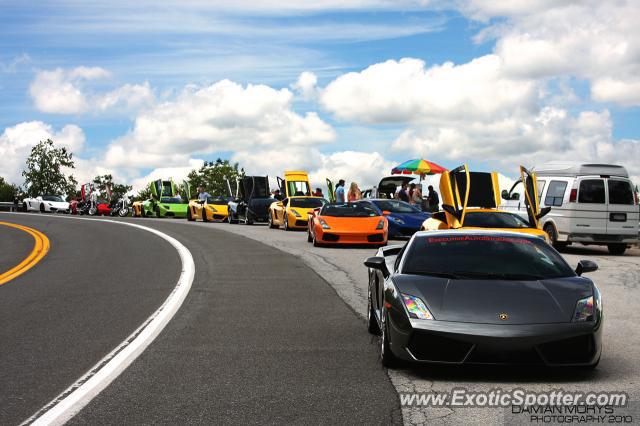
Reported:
(318, 193)
(403, 194)
(433, 199)
(354, 192)
(415, 196)
(202, 195)
(340, 191)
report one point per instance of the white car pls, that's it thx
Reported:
(45, 203)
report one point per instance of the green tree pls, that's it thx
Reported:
(44, 173)
(106, 181)
(143, 194)
(7, 190)
(212, 176)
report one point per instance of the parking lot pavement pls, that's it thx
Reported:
(619, 369)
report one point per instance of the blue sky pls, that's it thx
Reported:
(173, 45)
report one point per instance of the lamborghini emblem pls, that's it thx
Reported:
(503, 316)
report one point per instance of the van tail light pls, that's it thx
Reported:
(573, 196)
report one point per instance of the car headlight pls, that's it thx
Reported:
(416, 307)
(584, 310)
(324, 224)
(396, 220)
(296, 214)
(380, 224)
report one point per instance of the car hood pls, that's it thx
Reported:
(410, 219)
(482, 301)
(352, 224)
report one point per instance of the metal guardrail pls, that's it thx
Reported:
(8, 205)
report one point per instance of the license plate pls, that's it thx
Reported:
(618, 217)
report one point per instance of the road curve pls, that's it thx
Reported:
(261, 338)
(72, 308)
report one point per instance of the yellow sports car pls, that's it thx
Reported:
(137, 208)
(470, 200)
(293, 212)
(213, 208)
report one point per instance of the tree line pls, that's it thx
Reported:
(48, 171)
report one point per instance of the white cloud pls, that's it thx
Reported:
(406, 91)
(62, 91)
(306, 85)
(178, 174)
(16, 143)
(364, 168)
(591, 39)
(224, 116)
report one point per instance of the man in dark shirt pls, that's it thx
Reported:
(433, 199)
(403, 194)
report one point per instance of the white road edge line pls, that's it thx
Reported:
(73, 399)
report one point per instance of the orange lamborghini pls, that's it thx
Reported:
(347, 223)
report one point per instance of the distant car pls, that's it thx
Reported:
(45, 203)
(252, 201)
(166, 207)
(292, 212)
(483, 297)
(347, 223)
(404, 219)
(213, 208)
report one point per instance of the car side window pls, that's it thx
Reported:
(591, 191)
(540, 184)
(555, 193)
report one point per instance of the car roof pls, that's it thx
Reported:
(574, 169)
(482, 232)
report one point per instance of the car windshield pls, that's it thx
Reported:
(307, 203)
(348, 210)
(218, 201)
(171, 200)
(473, 256)
(396, 206)
(494, 220)
(52, 198)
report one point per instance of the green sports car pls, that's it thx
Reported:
(165, 200)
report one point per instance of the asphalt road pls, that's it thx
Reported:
(15, 245)
(261, 338)
(618, 279)
(96, 285)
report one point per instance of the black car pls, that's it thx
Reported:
(252, 201)
(483, 297)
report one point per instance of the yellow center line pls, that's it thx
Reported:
(40, 250)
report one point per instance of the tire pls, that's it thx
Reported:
(123, 212)
(248, 220)
(387, 357)
(309, 237)
(315, 241)
(189, 216)
(25, 208)
(93, 211)
(157, 210)
(204, 215)
(232, 220)
(41, 208)
(271, 224)
(373, 326)
(617, 249)
(285, 222)
(553, 237)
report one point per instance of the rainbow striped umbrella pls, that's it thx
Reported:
(418, 167)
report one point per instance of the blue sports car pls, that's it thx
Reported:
(404, 219)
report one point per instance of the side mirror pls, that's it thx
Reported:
(504, 194)
(586, 266)
(515, 196)
(386, 213)
(377, 263)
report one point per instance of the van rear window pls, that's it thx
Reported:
(620, 192)
(591, 191)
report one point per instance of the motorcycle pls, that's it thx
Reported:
(121, 207)
(88, 207)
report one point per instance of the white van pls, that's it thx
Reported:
(590, 204)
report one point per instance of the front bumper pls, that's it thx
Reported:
(560, 344)
(401, 231)
(330, 236)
